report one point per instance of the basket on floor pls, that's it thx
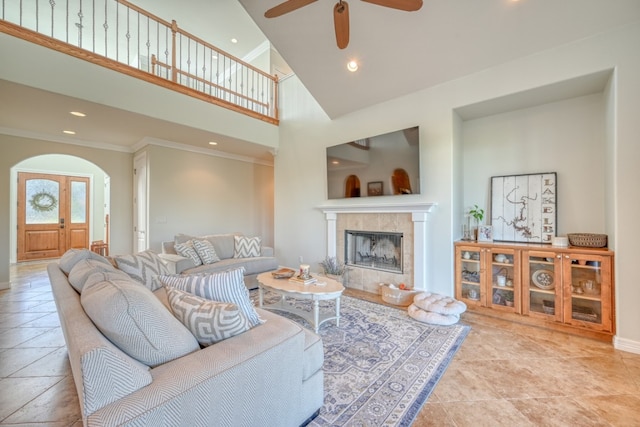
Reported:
(589, 240)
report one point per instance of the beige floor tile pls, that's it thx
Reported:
(57, 404)
(488, 413)
(14, 359)
(463, 385)
(557, 412)
(17, 392)
(618, 410)
(54, 364)
(433, 414)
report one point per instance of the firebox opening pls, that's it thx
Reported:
(374, 250)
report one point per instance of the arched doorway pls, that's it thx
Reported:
(76, 170)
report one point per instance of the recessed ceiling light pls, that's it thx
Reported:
(213, 143)
(234, 40)
(335, 162)
(69, 132)
(352, 66)
(78, 114)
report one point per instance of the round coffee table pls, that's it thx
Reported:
(324, 289)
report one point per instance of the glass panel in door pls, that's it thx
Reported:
(470, 260)
(43, 205)
(586, 283)
(542, 285)
(502, 278)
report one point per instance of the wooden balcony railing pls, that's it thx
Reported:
(119, 35)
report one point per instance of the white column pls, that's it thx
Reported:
(331, 233)
(419, 250)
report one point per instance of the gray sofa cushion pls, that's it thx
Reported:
(72, 256)
(85, 268)
(223, 243)
(251, 265)
(143, 267)
(205, 250)
(246, 247)
(209, 321)
(129, 315)
(226, 286)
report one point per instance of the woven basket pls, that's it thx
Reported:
(589, 240)
(399, 297)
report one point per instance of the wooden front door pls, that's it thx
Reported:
(53, 215)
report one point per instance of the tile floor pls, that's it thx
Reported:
(504, 375)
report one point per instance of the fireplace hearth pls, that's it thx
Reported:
(374, 250)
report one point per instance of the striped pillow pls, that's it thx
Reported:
(188, 251)
(226, 286)
(209, 321)
(205, 251)
(143, 267)
(246, 247)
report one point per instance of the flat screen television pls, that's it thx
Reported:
(380, 165)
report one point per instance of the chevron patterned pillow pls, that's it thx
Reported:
(209, 321)
(225, 286)
(246, 247)
(205, 251)
(143, 267)
(188, 251)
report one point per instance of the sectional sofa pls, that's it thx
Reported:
(150, 372)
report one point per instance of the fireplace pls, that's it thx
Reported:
(374, 249)
(406, 219)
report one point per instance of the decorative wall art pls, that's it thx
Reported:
(374, 188)
(523, 207)
(485, 233)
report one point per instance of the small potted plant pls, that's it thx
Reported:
(333, 268)
(478, 214)
(508, 299)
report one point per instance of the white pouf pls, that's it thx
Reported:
(431, 317)
(440, 304)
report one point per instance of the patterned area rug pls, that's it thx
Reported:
(380, 365)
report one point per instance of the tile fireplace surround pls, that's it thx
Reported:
(409, 219)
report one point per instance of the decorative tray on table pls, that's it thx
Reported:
(283, 273)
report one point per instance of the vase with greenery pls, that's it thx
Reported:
(333, 268)
(478, 214)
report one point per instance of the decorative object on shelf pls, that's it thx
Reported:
(473, 295)
(524, 207)
(543, 279)
(500, 258)
(583, 313)
(478, 214)
(498, 299)
(466, 255)
(374, 188)
(43, 201)
(304, 271)
(396, 296)
(502, 276)
(508, 299)
(588, 240)
(471, 276)
(559, 241)
(485, 233)
(549, 307)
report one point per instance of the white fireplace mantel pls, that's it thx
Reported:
(418, 213)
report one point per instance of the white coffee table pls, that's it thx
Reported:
(324, 289)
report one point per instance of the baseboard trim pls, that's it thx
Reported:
(626, 345)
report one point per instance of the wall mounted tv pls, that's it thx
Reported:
(381, 165)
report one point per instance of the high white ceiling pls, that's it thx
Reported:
(402, 52)
(398, 52)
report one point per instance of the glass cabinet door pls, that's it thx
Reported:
(585, 287)
(542, 285)
(470, 273)
(502, 278)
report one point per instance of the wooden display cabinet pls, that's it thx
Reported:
(569, 289)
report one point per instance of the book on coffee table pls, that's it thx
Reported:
(298, 279)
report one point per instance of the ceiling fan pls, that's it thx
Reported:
(341, 13)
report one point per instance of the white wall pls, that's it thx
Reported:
(196, 194)
(306, 131)
(566, 137)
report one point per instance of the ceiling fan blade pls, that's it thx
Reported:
(341, 23)
(286, 7)
(406, 5)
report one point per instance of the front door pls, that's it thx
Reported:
(53, 215)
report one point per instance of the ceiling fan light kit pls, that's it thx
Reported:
(341, 13)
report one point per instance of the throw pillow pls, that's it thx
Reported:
(83, 269)
(226, 286)
(72, 256)
(209, 321)
(205, 251)
(131, 317)
(246, 247)
(187, 250)
(143, 267)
